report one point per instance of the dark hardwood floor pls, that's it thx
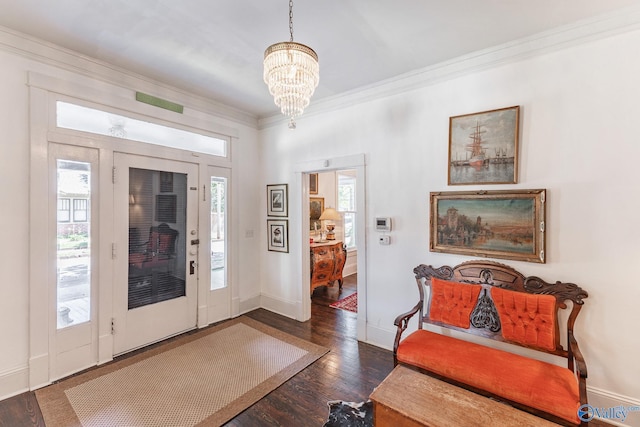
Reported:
(350, 371)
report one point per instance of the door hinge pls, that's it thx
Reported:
(113, 175)
(113, 251)
(113, 326)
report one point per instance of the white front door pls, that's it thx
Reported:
(156, 241)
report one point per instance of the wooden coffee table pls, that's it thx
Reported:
(407, 398)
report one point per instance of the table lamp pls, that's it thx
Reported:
(330, 214)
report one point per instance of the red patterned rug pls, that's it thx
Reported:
(349, 303)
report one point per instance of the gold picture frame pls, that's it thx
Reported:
(313, 183)
(316, 207)
(497, 224)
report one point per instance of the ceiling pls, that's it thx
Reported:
(215, 48)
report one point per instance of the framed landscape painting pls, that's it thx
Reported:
(483, 147)
(498, 224)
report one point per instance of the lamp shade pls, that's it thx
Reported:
(330, 214)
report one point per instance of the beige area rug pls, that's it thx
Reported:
(203, 379)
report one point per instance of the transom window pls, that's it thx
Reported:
(76, 117)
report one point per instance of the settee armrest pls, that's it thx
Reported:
(577, 360)
(401, 322)
(580, 364)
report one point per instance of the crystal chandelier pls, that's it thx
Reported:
(291, 71)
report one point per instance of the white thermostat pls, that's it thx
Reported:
(383, 224)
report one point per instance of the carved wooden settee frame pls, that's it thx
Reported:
(484, 320)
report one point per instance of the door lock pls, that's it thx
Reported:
(192, 267)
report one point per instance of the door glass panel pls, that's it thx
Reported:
(73, 243)
(218, 233)
(157, 225)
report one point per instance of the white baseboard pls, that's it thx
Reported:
(279, 306)
(14, 382)
(105, 349)
(38, 371)
(603, 400)
(239, 307)
(379, 337)
(349, 271)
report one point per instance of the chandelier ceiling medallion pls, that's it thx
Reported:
(292, 73)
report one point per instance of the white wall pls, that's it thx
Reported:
(579, 119)
(15, 64)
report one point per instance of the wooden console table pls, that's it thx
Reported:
(327, 262)
(407, 398)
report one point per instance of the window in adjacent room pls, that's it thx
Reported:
(347, 205)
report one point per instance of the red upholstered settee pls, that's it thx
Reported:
(495, 301)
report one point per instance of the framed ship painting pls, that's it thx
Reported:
(483, 147)
(496, 224)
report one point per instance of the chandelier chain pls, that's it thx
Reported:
(291, 19)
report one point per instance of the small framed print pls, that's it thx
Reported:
(278, 232)
(313, 183)
(277, 200)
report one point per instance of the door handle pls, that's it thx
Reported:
(192, 267)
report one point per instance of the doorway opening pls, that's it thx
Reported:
(339, 193)
(332, 231)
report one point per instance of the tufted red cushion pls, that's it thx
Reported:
(452, 302)
(527, 319)
(550, 388)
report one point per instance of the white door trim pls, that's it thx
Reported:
(43, 93)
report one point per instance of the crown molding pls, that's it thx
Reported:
(624, 20)
(50, 54)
